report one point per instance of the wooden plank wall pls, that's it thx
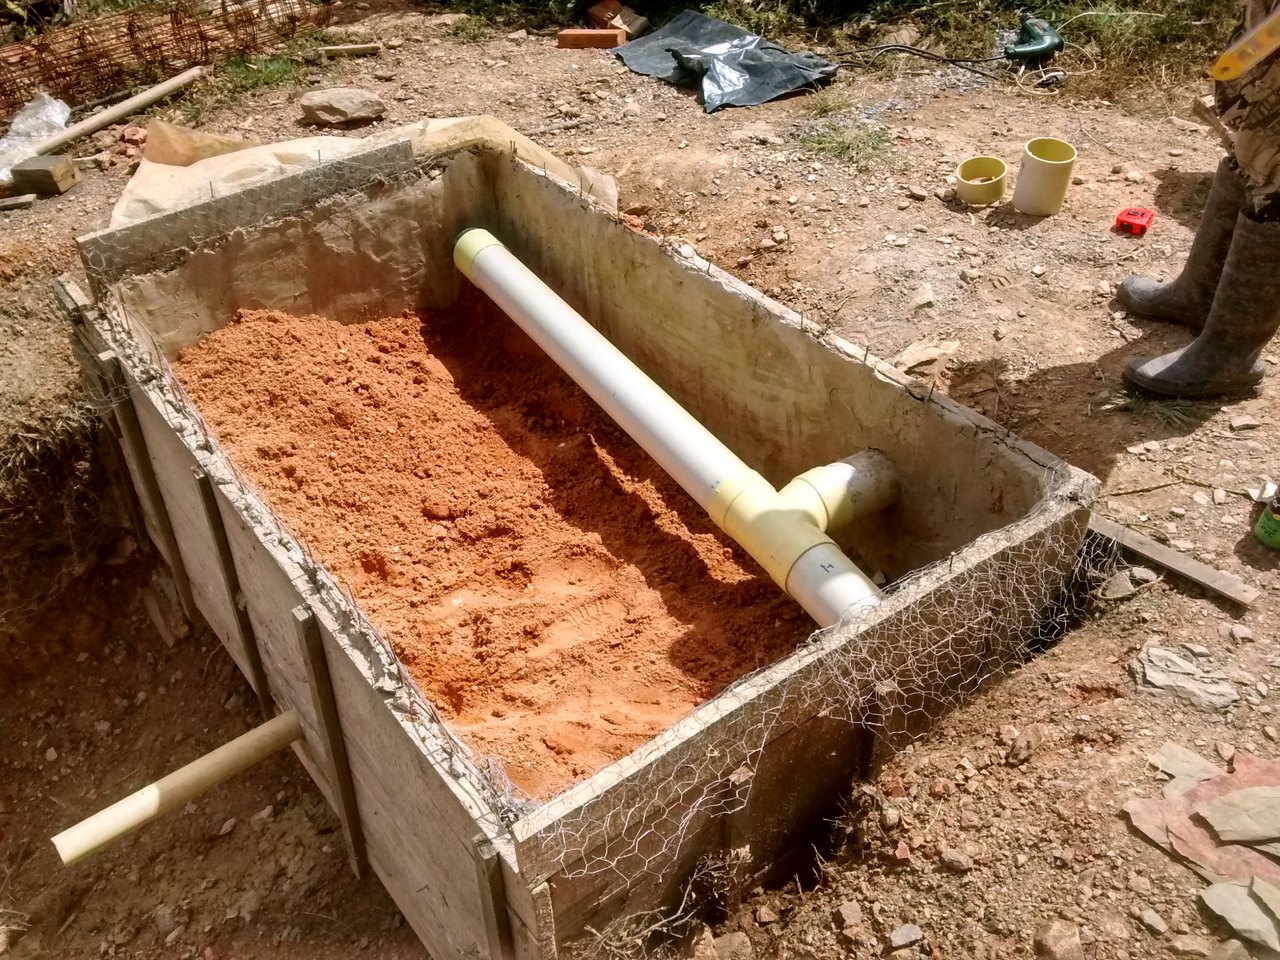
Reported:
(419, 824)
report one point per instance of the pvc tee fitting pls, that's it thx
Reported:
(784, 534)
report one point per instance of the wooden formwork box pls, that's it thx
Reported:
(742, 775)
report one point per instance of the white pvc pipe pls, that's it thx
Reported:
(778, 535)
(121, 110)
(173, 791)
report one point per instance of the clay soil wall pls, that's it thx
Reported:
(371, 236)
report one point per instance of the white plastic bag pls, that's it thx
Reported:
(38, 120)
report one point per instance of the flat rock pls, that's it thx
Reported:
(1058, 940)
(1190, 946)
(923, 297)
(848, 914)
(1231, 950)
(917, 192)
(905, 936)
(1117, 586)
(1143, 575)
(1024, 745)
(957, 861)
(337, 106)
(1162, 671)
(1153, 921)
(1245, 422)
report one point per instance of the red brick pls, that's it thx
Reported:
(590, 39)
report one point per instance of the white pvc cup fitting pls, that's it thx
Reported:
(980, 180)
(1044, 176)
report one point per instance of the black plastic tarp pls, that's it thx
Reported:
(731, 66)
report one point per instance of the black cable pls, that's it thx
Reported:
(962, 62)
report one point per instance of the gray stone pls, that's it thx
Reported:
(1230, 950)
(766, 914)
(1162, 671)
(1058, 940)
(1245, 422)
(957, 861)
(923, 297)
(1117, 586)
(917, 192)
(1024, 745)
(905, 936)
(1143, 575)
(1135, 176)
(1240, 633)
(734, 946)
(848, 914)
(890, 816)
(1189, 946)
(336, 106)
(1153, 921)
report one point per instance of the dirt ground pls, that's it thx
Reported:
(1038, 345)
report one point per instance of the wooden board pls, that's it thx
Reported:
(418, 824)
(1215, 581)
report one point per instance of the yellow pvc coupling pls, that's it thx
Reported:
(776, 534)
(469, 243)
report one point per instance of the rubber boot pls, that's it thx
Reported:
(1187, 298)
(1224, 359)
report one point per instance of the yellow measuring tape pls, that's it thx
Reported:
(1249, 50)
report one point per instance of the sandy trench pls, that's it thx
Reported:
(552, 591)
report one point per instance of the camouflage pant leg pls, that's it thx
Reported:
(1250, 106)
(1257, 152)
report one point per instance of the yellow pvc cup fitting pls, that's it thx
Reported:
(981, 180)
(1044, 176)
(469, 243)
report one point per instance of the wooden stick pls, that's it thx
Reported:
(1216, 581)
(173, 791)
(326, 710)
(131, 437)
(231, 583)
(351, 50)
(118, 112)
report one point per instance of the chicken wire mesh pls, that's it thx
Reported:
(96, 58)
(941, 633)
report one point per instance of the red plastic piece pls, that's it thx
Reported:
(1134, 220)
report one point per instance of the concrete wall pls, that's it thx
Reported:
(1000, 510)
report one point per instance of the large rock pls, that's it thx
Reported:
(1058, 940)
(340, 105)
(734, 946)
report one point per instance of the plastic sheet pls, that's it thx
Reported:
(38, 120)
(731, 66)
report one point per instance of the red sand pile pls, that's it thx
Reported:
(547, 585)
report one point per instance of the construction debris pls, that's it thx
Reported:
(584, 39)
(350, 50)
(611, 13)
(47, 176)
(17, 203)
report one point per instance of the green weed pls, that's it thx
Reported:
(1170, 412)
(860, 147)
(827, 101)
(470, 29)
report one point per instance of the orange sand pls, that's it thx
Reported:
(546, 584)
